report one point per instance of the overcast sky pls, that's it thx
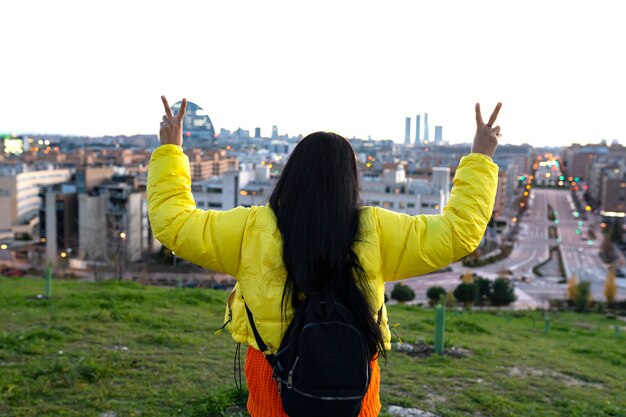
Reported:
(354, 67)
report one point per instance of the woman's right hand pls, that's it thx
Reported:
(171, 128)
(487, 136)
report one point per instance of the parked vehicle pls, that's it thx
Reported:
(12, 272)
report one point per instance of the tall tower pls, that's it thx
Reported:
(407, 130)
(426, 138)
(257, 132)
(274, 132)
(438, 135)
(418, 140)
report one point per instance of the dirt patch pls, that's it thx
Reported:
(570, 381)
(424, 350)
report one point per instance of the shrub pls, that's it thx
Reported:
(485, 290)
(583, 296)
(572, 289)
(468, 277)
(435, 295)
(610, 287)
(450, 301)
(402, 293)
(467, 294)
(503, 292)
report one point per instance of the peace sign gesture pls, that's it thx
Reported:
(171, 131)
(486, 139)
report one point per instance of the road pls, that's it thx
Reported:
(532, 248)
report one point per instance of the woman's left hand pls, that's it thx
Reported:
(171, 131)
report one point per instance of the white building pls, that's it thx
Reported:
(19, 196)
(394, 191)
(247, 187)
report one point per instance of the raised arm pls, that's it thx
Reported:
(415, 245)
(211, 239)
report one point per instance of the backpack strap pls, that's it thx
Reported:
(259, 340)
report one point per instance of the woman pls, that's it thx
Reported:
(314, 236)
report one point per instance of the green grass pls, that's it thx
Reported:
(134, 350)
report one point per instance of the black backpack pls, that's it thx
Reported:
(322, 367)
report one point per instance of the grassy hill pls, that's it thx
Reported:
(111, 347)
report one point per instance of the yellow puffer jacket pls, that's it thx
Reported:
(246, 243)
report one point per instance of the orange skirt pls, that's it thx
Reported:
(263, 397)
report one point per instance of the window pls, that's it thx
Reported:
(401, 204)
(388, 204)
(215, 205)
(200, 203)
(411, 205)
(424, 205)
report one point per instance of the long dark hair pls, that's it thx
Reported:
(316, 202)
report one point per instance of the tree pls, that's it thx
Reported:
(607, 249)
(610, 287)
(435, 295)
(583, 296)
(503, 292)
(467, 294)
(467, 277)
(402, 293)
(572, 288)
(617, 230)
(450, 301)
(485, 290)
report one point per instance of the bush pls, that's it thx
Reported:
(583, 296)
(435, 295)
(572, 289)
(503, 292)
(450, 301)
(485, 290)
(467, 294)
(402, 293)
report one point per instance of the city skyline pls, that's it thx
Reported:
(94, 71)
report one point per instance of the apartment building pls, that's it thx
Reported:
(19, 196)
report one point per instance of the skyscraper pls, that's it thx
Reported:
(426, 138)
(438, 135)
(418, 140)
(274, 132)
(407, 130)
(198, 128)
(257, 132)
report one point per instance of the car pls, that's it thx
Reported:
(12, 272)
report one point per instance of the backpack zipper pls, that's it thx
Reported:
(290, 376)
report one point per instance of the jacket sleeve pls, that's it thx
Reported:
(416, 245)
(211, 239)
